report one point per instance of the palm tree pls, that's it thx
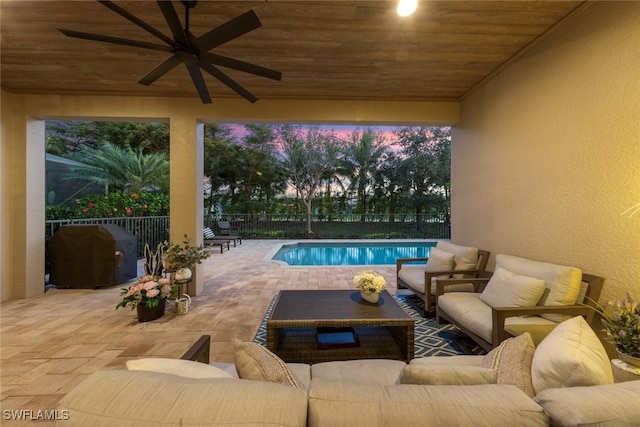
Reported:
(123, 168)
(361, 162)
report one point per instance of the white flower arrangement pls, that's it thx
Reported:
(369, 281)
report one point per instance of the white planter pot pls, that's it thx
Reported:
(370, 297)
(183, 273)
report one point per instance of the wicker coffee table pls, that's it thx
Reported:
(384, 330)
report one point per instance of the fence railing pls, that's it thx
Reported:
(344, 226)
(153, 229)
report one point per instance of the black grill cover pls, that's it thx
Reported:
(86, 256)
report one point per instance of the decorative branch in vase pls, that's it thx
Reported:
(621, 320)
(183, 257)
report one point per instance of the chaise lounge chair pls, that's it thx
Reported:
(228, 232)
(211, 239)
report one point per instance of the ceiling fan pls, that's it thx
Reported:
(190, 50)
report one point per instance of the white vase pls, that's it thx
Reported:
(371, 297)
(183, 273)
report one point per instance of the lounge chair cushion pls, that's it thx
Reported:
(413, 277)
(180, 367)
(507, 289)
(474, 314)
(464, 257)
(571, 355)
(208, 233)
(562, 282)
(255, 362)
(512, 360)
(440, 374)
(413, 274)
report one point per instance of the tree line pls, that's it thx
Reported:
(272, 169)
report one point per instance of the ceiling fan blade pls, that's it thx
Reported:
(115, 40)
(235, 28)
(139, 22)
(173, 21)
(235, 64)
(229, 82)
(198, 81)
(160, 70)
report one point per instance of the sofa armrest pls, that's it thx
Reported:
(500, 314)
(199, 351)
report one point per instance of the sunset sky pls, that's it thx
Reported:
(342, 131)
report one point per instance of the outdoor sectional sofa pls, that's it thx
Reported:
(565, 381)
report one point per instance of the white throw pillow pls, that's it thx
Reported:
(440, 261)
(208, 233)
(180, 367)
(464, 257)
(507, 289)
(571, 355)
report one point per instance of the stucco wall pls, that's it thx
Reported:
(547, 154)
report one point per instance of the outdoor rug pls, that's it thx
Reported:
(431, 339)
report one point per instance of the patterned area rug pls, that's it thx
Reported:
(431, 339)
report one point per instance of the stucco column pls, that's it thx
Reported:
(26, 258)
(186, 152)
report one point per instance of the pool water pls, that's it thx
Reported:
(351, 253)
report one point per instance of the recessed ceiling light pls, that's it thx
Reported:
(406, 7)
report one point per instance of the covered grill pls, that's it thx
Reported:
(92, 256)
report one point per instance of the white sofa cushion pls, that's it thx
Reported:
(571, 355)
(461, 359)
(512, 361)
(150, 399)
(364, 405)
(611, 405)
(440, 374)
(362, 371)
(508, 289)
(464, 257)
(255, 362)
(181, 367)
(562, 282)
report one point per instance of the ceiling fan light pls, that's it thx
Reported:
(406, 7)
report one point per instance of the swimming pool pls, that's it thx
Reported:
(351, 253)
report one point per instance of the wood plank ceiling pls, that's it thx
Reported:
(334, 50)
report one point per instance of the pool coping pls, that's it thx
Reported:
(269, 256)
